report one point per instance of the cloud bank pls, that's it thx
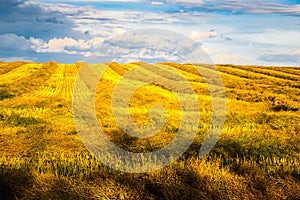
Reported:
(242, 32)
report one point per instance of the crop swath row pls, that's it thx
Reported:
(259, 87)
(19, 72)
(252, 78)
(89, 76)
(120, 69)
(270, 77)
(239, 73)
(59, 71)
(240, 84)
(164, 73)
(67, 89)
(29, 80)
(193, 73)
(52, 87)
(288, 70)
(81, 88)
(273, 73)
(259, 75)
(108, 73)
(6, 67)
(60, 83)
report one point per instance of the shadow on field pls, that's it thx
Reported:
(60, 188)
(5, 94)
(14, 183)
(21, 184)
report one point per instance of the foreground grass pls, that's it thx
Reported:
(256, 157)
(80, 177)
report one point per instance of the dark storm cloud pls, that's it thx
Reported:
(30, 19)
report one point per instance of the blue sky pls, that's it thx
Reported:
(257, 32)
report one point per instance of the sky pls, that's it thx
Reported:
(256, 32)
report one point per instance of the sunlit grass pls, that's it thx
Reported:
(257, 155)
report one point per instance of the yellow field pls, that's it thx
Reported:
(42, 157)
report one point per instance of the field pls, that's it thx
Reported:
(42, 157)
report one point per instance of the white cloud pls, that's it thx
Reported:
(196, 36)
(233, 58)
(273, 36)
(66, 31)
(56, 45)
(150, 45)
(36, 43)
(13, 59)
(69, 45)
(14, 42)
(119, 30)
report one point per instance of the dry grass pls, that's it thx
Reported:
(256, 157)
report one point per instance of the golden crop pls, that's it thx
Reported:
(42, 157)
